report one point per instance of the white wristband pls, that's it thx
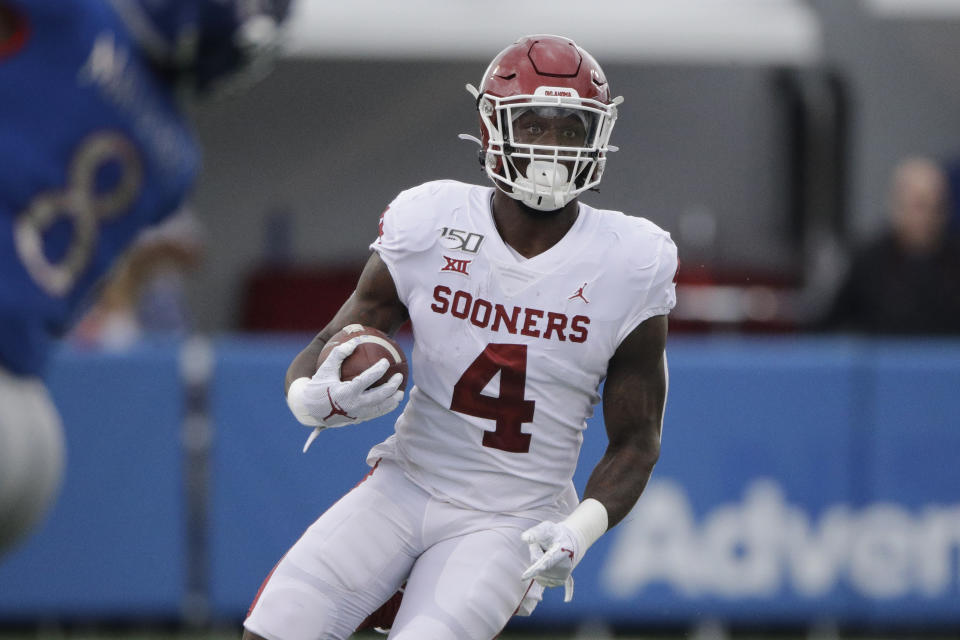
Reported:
(298, 404)
(588, 522)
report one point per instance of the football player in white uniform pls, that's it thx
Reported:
(522, 301)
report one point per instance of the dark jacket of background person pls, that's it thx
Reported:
(907, 281)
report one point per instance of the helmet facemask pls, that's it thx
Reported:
(545, 177)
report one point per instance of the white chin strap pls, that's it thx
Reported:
(545, 186)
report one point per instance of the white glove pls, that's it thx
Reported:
(553, 548)
(557, 547)
(325, 401)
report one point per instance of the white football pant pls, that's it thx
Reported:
(462, 568)
(31, 455)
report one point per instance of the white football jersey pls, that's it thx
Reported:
(509, 352)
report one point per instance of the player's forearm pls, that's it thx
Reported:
(304, 365)
(353, 311)
(620, 477)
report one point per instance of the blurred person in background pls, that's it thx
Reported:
(94, 148)
(145, 293)
(907, 282)
(953, 178)
(522, 300)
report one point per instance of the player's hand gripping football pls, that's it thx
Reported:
(327, 401)
(555, 551)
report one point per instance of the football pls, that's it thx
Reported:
(374, 345)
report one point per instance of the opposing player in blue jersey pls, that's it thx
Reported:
(93, 149)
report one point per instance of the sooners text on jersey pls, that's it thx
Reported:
(509, 353)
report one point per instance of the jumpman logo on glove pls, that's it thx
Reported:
(335, 409)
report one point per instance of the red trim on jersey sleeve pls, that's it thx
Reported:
(380, 224)
(21, 32)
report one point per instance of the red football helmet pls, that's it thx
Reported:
(549, 77)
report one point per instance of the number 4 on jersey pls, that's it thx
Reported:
(509, 409)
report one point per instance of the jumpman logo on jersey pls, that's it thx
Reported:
(579, 294)
(335, 410)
